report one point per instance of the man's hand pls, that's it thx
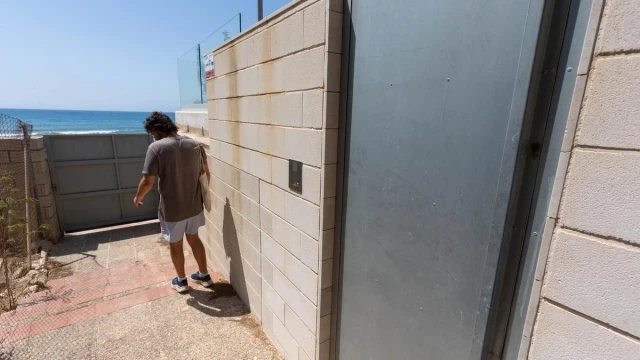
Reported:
(146, 183)
(138, 201)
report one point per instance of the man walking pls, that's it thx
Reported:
(178, 161)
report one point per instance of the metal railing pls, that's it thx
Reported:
(191, 65)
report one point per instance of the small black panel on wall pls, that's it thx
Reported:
(295, 176)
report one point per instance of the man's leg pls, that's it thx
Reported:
(198, 252)
(177, 257)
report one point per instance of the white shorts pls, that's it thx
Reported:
(174, 231)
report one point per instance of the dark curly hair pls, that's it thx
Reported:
(158, 121)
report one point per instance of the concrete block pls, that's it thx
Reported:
(252, 162)
(325, 328)
(239, 55)
(330, 146)
(236, 200)
(285, 339)
(281, 231)
(267, 271)
(272, 198)
(275, 303)
(222, 63)
(328, 213)
(221, 87)
(562, 335)
(332, 74)
(252, 277)
(210, 88)
(303, 70)
(260, 49)
(272, 140)
(310, 179)
(610, 113)
(303, 215)
(286, 109)
(40, 167)
(49, 212)
(273, 251)
(327, 244)
(302, 355)
(332, 110)
(334, 32)
(4, 157)
(602, 194)
(273, 76)
(314, 24)
(247, 82)
(302, 277)
(248, 184)
(43, 179)
(309, 250)
(267, 318)
(249, 253)
(303, 336)
(214, 149)
(43, 190)
(327, 274)
(296, 300)
(324, 351)
(335, 5)
(304, 145)
(329, 178)
(221, 109)
(287, 36)
(325, 301)
(312, 109)
(596, 277)
(46, 201)
(17, 157)
(36, 143)
(619, 28)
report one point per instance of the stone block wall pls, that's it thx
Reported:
(11, 153)
(275, 97)
(194, 121)
(589, 300)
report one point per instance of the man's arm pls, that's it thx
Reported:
(146, 183)
(205, 169)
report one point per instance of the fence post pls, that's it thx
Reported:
(27, 213)
(200, 74)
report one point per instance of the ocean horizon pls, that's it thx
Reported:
(81, 122)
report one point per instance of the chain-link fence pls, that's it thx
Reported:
(21, 273)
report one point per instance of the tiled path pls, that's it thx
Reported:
(112, 300)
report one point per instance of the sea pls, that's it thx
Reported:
(69, 122)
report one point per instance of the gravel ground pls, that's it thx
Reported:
(199, 325)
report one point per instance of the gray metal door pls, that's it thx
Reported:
(95, 178)
(437, 92)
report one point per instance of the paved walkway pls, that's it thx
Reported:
(110, 299)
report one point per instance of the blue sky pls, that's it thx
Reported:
(104, 54)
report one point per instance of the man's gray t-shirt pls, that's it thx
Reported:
(176, 161)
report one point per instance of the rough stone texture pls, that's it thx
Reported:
(619, 30)
(611, 111)
(566, 336)
(588, 304)
(268, 104)
(597, 278)
(602, 194)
